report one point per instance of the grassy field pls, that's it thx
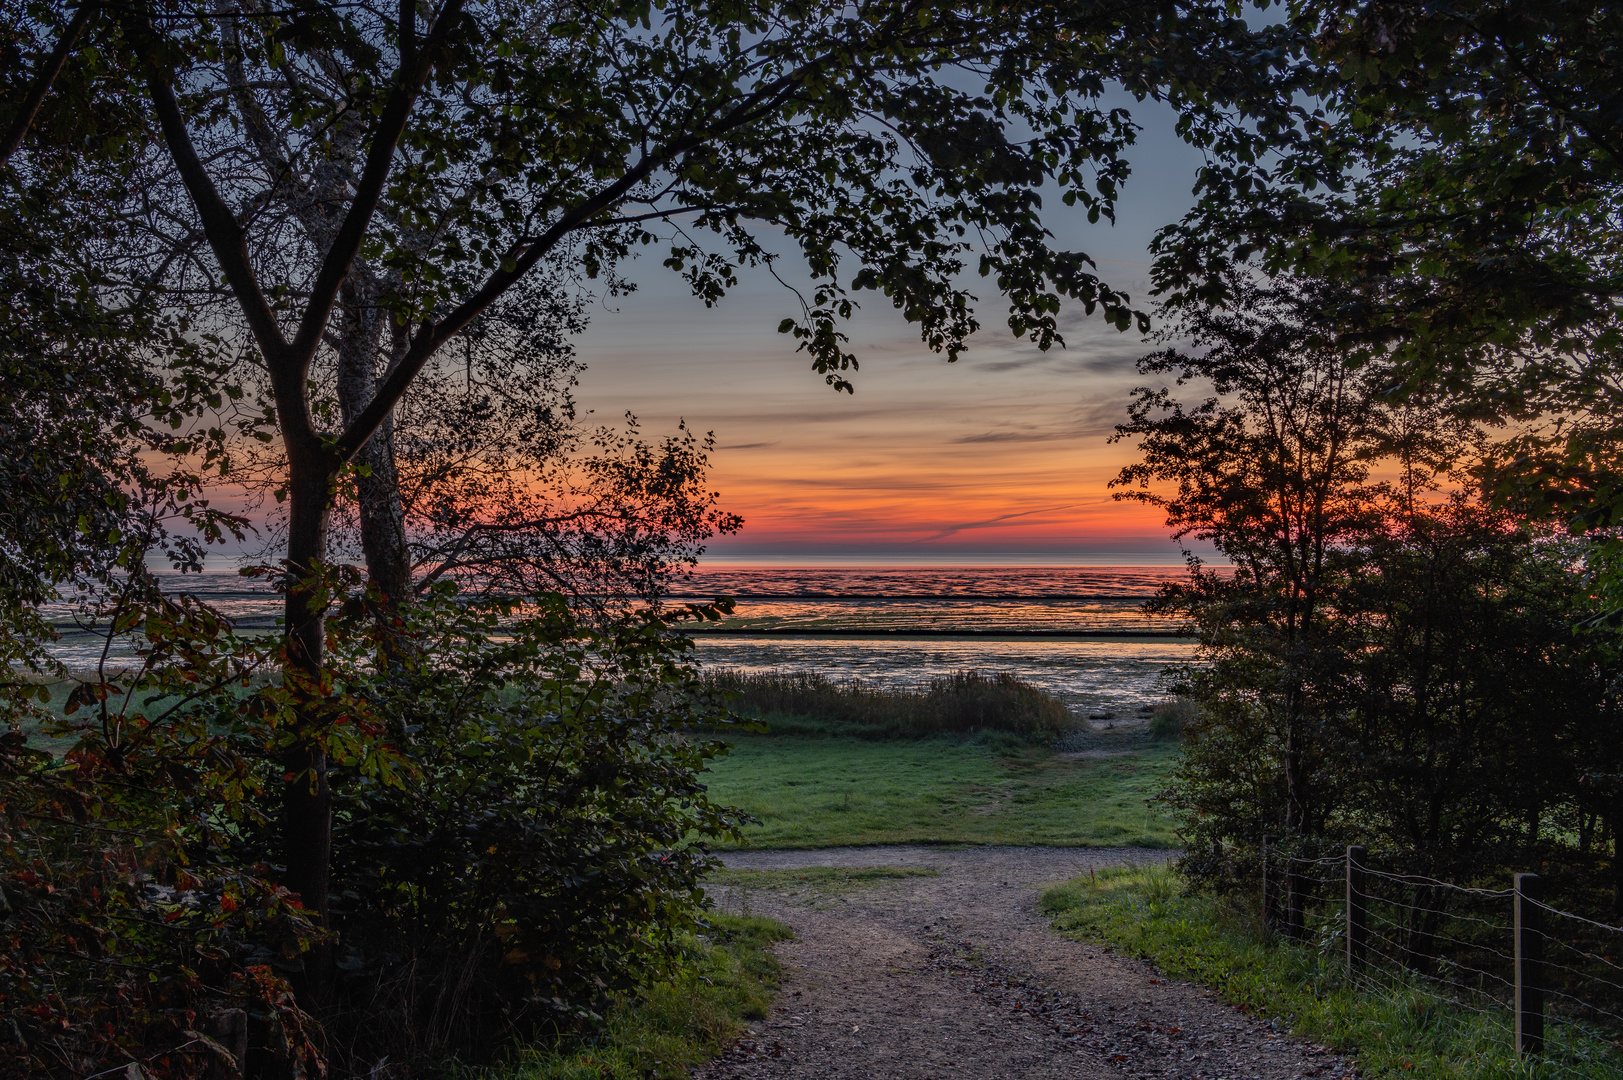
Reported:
(1405, 1029)
(810, 792)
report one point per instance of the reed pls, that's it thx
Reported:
(963, 703)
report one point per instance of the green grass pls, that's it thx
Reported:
(1405, 1030)
(676, 1025)
(817, 886)
(830, 792)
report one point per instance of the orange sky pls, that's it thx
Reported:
(1002, 454)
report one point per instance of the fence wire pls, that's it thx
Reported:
(1434, 944)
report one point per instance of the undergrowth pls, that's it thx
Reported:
(675, 1025)
(964, 703)
(1405, 1029)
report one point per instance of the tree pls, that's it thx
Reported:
(1393, 660)
(1460, 168)
(1274, 472)
(504, 488)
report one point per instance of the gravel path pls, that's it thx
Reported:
(958, 976)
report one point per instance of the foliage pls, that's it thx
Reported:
(962, 703)
(544, 847)
(499, 483)
(1392, 662)
(1456, 166)
(521, 808)
(668, 1028)
(1398, 1031)
(128, 933)
(831, 792)
(1272, 470)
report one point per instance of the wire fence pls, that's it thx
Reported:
(1523, 973)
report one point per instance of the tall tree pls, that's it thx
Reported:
(1459, 164)
(1273, 470)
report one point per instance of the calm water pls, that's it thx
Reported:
(896, 626)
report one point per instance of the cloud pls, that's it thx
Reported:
(990, 522)
(1015, 436)
(747, 446)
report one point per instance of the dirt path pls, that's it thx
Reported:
(958, 976)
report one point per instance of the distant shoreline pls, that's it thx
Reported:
(1005, 635)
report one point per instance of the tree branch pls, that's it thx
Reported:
(43, 79)
(225, 236)
(431, 336)
(369, 189)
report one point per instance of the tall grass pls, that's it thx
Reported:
(963, 703)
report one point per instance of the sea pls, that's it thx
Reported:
(1078, 632)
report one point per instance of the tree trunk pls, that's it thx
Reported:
(377, 484)
(306, 798)
(1297, 805)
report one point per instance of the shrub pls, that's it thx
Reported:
(520, 834)
(545, 849)
(123, 939)
(962, 703)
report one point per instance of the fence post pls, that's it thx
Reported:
(1295, 920)
(1357, 919)
(1267, 892)
(1529, 965)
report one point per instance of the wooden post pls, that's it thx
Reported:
(1267, 892)
(1357, 916)
(1529, 965)
(1295, 921)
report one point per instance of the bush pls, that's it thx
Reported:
(545, 849)
(123, 938)
(520, 835)
(963, 703)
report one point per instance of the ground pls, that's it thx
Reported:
(898, 972)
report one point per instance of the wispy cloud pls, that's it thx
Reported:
(990, 522)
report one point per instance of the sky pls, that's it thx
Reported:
(1002, 456)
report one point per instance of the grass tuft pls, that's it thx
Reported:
(1406, 1028)
(964, 703)
(676, 1025)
